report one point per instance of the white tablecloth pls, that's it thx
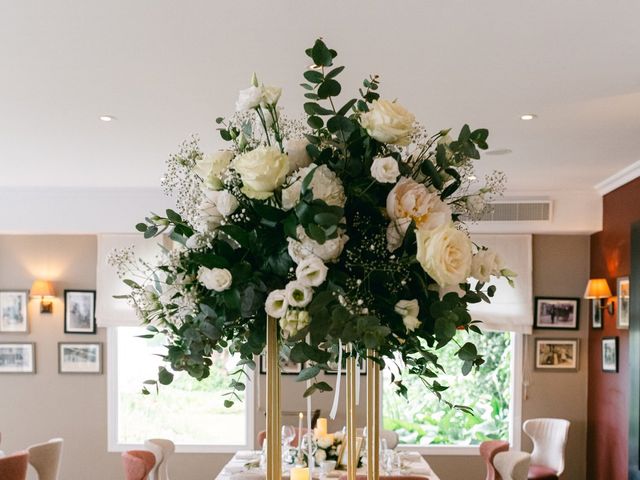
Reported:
(413, 462)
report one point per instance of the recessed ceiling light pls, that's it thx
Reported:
(499, 151)
(107, 118)
(528, 116)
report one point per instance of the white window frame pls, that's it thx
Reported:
(515, 411)
(112, 409)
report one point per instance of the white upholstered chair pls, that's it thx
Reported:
(157, 452)
(45, 458)
(168, 449)
(512, 465)
(549, 436)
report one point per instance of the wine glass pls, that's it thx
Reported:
(288, 434)
(309, 446)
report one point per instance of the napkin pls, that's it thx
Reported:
(247, 476)
(246, 454)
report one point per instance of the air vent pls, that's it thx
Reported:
(517, 211)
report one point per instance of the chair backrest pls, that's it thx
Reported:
(14, 467)
(387, 477)
(168, 449)
(137, 464)
(549, 436)
(488, 451)
(45, 458)
(512, 465)
(157, 452)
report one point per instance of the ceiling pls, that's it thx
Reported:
(167, 69)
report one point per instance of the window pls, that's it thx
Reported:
(492, 392)
(189, 412)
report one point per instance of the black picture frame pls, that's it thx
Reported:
(557, 354)
(291, 369)
(72, 317)
(596, 315)
(547, 308)
(65, 366)
(610, 354)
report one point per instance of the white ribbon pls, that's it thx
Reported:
(311, 460)
(336, 395)
(357, 379)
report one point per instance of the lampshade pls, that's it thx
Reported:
(597, 288)
(42, 288)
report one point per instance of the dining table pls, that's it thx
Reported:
(245, 465)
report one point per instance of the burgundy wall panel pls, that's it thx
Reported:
(608, 403)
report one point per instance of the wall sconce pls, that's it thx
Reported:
(598, 289)
(44, 290)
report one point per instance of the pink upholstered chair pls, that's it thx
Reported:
(549, 437)
(137, 464)
(512, 465)
(488, 451)
(45, 458)
(14, 467)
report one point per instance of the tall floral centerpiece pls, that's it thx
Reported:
(346, 228)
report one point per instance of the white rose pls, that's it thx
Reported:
(486, 263)
(406, 308)
(296, 251)
(262, 171)
(445, 254)
(212, 166)
(209, 217)
(388, 122)
(194, 241)
(168, 294)
(298, 295)
(475, 204)
(321, 455)
(325, 185)
(385, 169)
(276, 304)
(410, 200)
(329, 251)
(324, 442)
(271, 95)
(311, 272)
(226, 203)
(411, 323)
(248, 98)
(296, 149)
(294, 321)
(218, 279)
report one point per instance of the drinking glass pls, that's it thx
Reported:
(309, 445)
(288, 434)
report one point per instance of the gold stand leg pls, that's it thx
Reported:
(373, 417)
(274, 455)
(352, 459)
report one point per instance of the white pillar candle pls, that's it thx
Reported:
(299, 473)
(321, 427)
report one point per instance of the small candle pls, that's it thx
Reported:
(321, 427)
(299, 473)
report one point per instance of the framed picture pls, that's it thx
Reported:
(342, 451)
(558, 354)
(557, 313)
(286, 367)
(596, 315)
(79, 311)
(76, 357)
(17, 358)
(610, 354)
(13, 311)
(622, 319)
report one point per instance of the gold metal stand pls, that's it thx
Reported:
(273, 437)
(352, 458)
(373, 417)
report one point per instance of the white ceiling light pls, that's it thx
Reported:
(107, 118)
(528, 116)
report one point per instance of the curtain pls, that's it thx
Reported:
(511, 309)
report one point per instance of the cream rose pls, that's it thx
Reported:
(298, 295)
(311, 271)
(248, 98)
(262, 171)
(388, 122)
(407, 308)
(296, 149)
(325, 186)
(329, 251)
(486, 263)
(276, 304)
(226, 203)
(211, 168)
(218, 279)
(385, 169)
(445, 254)
(209, 217)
